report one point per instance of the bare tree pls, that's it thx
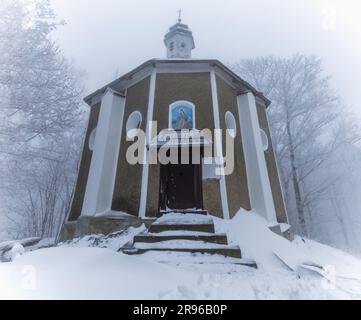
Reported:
(39, 194)
(41, 119)
(304, 119)
(40, 87)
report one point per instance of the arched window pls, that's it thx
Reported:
(231, 124)
(134, 122)
(182, 115)
(264, 138)
(92, 139)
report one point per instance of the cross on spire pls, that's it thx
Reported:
(179, 40)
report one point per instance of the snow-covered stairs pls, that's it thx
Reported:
(157, 227)
(192, 237)
(174, 235)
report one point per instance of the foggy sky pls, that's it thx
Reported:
(107, 38)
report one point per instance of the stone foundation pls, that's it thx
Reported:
(92, 225)
(287, 234)
(107, 225)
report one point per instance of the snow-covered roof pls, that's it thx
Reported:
(121, 83)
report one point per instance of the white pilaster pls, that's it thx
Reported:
(257, 174)
(100, 185)
(218, 144)
(145, 173)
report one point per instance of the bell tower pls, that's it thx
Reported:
(179, 41)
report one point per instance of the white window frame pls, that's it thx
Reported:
(128, 127)
(91, 141)
(230, 119)
(264, 139)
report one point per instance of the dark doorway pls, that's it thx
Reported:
(181, 187)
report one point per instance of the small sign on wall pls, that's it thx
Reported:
(209, 169)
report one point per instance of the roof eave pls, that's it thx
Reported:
(88, 98)
(153, 62)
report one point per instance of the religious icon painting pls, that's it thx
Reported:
(182, 116)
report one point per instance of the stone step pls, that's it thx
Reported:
(151, 238)
(157, 228)
(233, 252)
(188, 211)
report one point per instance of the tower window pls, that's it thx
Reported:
(171, 46)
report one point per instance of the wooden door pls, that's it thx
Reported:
(181, 187)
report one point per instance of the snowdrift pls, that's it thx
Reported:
(91, 268)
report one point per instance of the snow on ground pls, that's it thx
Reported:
(250, 231)
(113, 241)
(271, 252)
(87, 273)
(81, 269)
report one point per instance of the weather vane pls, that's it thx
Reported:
(179, 15)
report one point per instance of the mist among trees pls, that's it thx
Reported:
(317, 147)
(42, 123)
(41, 120)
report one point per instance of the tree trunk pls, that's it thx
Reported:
(295, 183)
(340, 217)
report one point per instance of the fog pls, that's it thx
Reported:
(109, 37)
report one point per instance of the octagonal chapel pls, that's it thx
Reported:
(173, 101)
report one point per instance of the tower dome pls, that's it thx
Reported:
(179, 41)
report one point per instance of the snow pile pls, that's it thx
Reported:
(345, 265)
(114, 241)
(87, 273)
(16, 251)
(94, 273)
(251, 232)
(272, 252)
(181, 218)
(10, 250)
(91, 268)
